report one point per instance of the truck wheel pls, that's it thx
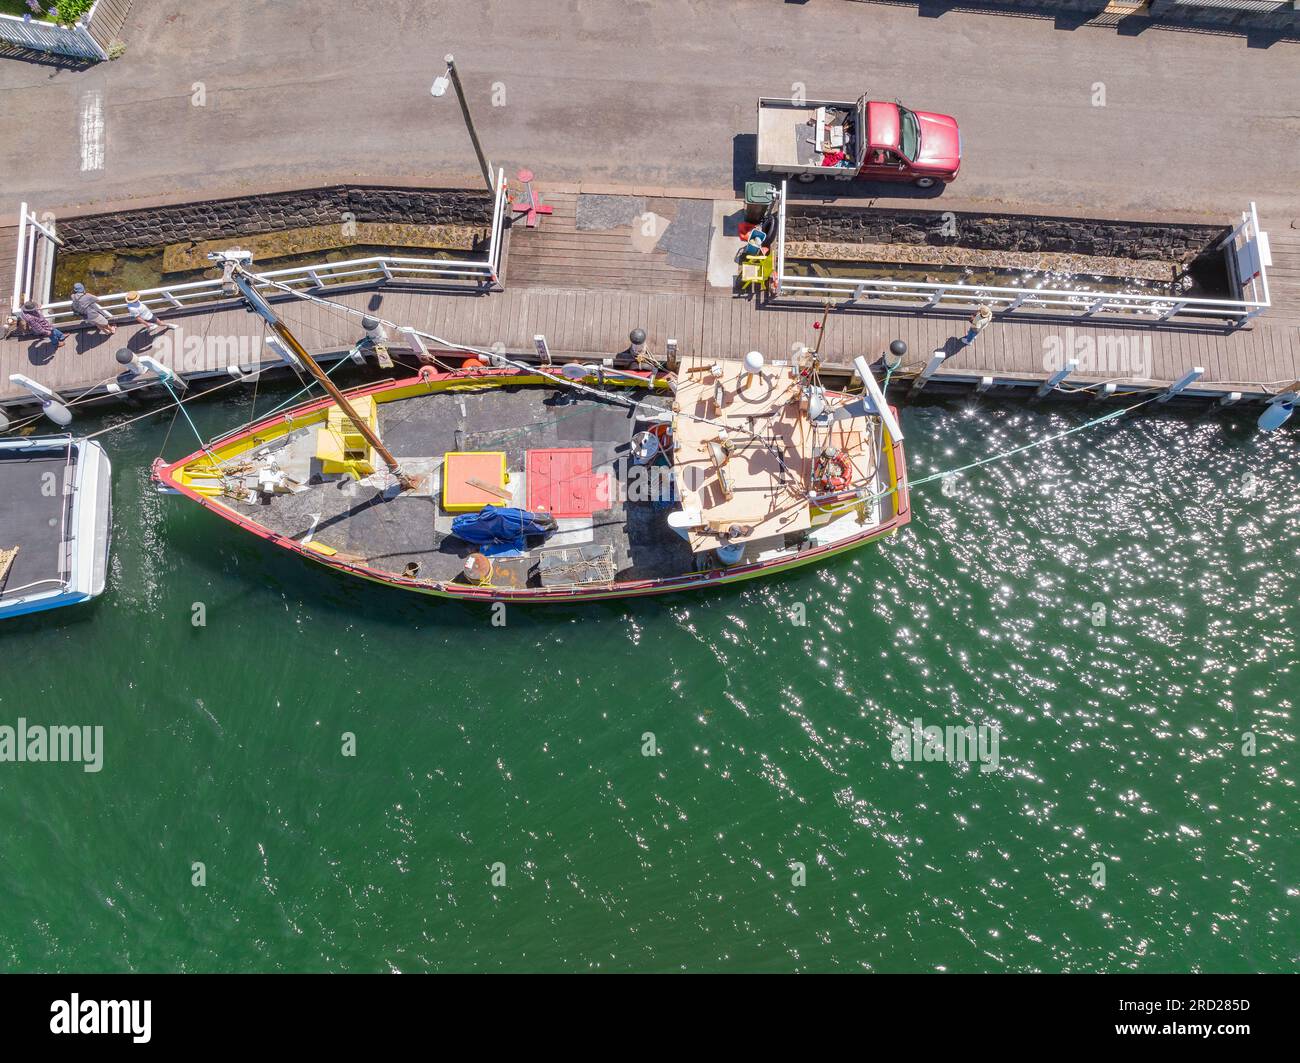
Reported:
(805, 178)
(924, 182)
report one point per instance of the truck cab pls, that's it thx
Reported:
(917, 146)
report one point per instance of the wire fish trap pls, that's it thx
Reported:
(577, 566)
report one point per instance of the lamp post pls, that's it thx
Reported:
(438, 88)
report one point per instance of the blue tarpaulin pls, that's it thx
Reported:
(499, 529)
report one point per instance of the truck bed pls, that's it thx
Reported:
(786, 139)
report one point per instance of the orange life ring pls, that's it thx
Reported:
(473, 363)
(664, 434)
(843, 478)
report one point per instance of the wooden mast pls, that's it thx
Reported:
(239, 277)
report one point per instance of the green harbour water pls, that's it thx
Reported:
(476, 745)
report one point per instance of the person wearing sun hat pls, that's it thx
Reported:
(142, 315)
(40, 325)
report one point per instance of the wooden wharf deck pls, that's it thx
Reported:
(584, 289)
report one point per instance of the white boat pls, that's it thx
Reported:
(55, 522)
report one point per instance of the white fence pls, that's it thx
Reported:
(356, 272)
(1246, 249)
(40, 36)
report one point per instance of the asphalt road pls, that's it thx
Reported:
(638, 93)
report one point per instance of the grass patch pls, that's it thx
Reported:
(68, 10)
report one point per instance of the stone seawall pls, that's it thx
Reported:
(1002, 232)
(248, 216)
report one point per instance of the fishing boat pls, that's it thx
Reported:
(55, 521)
(503, 481)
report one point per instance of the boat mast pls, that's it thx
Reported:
(237, 275)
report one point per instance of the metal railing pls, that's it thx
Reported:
(1246, 248)
(323, 276)
(41, 36)
(34, 261)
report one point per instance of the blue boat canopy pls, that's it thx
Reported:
(499, 529)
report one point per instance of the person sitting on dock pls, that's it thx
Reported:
(142, 315)
(40, 325)
(87, 307)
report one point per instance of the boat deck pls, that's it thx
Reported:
(357, 519)
(33, 517)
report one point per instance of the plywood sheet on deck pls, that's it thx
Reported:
(766, 498)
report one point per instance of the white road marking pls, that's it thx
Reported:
(92, 131)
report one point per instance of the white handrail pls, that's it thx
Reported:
(19, 271)
(351, 271)
(498, 210)
(1083, 303)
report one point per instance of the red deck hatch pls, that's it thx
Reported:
(561, 482)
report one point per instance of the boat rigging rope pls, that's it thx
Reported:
(1002, 455)
(166, 382)
(496, 357)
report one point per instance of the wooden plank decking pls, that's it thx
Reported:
(619, 257)
(107, 21)
(585, 291)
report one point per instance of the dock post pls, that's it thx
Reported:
(1190, 377)
(1230, 399)
(1054, 381)
(1107, 390)
(131, 368)
(636, 344)
(936, 360)
(985, 383)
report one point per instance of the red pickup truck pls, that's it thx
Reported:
(868, 140)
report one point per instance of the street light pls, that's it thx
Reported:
(439, 88)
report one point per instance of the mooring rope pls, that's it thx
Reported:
(166, 382)
(532, 370)
(1000, 456)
